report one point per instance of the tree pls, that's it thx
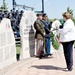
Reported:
(71, 12)
(4, 6)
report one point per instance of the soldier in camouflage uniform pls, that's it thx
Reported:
(39, 36)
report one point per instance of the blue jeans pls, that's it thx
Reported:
(47, 46)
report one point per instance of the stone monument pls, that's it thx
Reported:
(27, 34)
(7, 44)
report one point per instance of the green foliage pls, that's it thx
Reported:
(55, 43)
(71, 12)
(4, 6)
(73, 19)
(62, 21)
(17, 49)
(74, 44)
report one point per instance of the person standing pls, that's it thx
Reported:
(67, 37)
(47, 28)
(39, 36)
(1, 16)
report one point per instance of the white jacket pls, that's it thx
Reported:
(67, 34)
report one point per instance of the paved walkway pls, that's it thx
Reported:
(50, 66)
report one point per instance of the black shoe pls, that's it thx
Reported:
(42, 56)
(70, 69)
(45, 56)
(50, 54)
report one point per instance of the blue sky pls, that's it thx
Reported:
(53, 8)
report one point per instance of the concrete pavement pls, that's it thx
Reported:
(50, 66)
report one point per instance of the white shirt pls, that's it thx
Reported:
(67, 34)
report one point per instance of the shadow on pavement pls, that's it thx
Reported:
(48, 67)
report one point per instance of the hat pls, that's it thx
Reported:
(39, 14)
(44, 15)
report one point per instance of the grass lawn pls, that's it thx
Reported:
(18, 49)
(74, 45)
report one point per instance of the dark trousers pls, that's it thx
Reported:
(18, 57)
(68, 53)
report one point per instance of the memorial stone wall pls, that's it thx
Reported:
(27, 33)
(7, 44)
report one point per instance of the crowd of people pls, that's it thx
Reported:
(15, 17)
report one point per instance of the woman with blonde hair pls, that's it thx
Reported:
(67, 37)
